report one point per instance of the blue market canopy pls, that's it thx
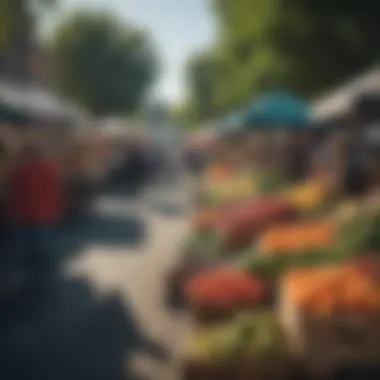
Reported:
(27, 102)
(278, 110)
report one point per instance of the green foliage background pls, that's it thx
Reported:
(305, 46)
(103, 63)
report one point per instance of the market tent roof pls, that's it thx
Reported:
(340, 101)
(31, 101)
(279, 109)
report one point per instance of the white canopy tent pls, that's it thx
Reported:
(340, 101)
(38, 102)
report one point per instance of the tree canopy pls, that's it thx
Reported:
(103, 63)
(305, 46)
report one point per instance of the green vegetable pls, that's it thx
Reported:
(274, 266)
(271, 183)
(361, 234)
(202, 246)
(248, 335)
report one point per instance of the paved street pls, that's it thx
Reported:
(106, 318)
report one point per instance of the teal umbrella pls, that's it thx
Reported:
(278, 110)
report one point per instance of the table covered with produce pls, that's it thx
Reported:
(279, 279)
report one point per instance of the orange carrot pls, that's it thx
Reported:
(297, 237)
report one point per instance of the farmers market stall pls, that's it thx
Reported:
(353, 109)
(279, 275)
(36, 113)
(295, 289)
(338, 105)
(279, 130)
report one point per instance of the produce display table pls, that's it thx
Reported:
(246, 347)
(183, 271)
(260, 241)
(330, 329)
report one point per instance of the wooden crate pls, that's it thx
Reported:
(328, 343)
(257, 369)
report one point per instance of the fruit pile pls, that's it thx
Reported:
(241, 225)
(247, 336)
(316, 243)
(222, 191)
(306, 196)
(298, 237)
(224, 288)
(342, 288)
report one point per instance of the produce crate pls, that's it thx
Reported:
(327, 343)
(258, 369)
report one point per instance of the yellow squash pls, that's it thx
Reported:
(307, 196)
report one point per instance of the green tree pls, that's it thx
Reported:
(303, 45)
(102, 63)
(210, 85)
(201, 80)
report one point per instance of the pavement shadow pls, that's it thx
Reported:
(126, 186)
(75, 334)
(164, 203)
(101, 230)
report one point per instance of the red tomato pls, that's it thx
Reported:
(224, 286)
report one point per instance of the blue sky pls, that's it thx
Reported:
(179, 27)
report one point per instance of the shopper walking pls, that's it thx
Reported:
(36, 206)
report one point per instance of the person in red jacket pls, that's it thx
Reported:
(36, 206)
